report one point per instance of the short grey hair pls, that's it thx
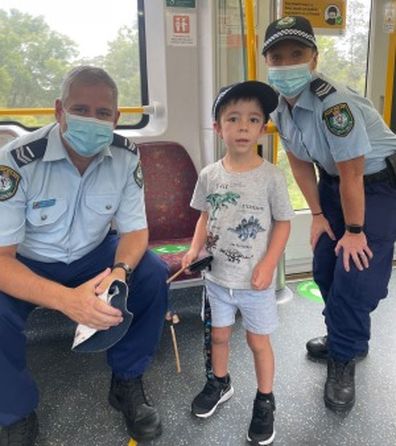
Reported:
(89, 75)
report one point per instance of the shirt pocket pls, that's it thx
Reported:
(100, 209)
(47, 219)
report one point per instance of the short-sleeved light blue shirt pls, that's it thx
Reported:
(55, 214)
(332, 125)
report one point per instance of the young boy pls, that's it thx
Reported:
(244, 222)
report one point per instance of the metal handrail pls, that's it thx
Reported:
(145, 109)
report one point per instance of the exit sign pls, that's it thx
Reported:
(180, 3)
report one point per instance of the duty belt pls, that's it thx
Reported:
(382, 175)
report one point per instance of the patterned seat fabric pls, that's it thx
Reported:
(169, 181)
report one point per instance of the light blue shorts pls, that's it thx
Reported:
(258, 308)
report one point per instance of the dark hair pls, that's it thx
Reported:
(265, 96)
(240, 97)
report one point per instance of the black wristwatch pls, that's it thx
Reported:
(126, 268)
(354, 229)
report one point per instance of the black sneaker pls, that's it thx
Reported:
(214, 393)
(142, 419)
(261, 429)
(22, 433)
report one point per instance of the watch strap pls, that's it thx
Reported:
(125, 267)
(354, 229)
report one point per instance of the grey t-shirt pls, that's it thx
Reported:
(241, 208)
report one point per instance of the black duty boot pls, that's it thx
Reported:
(142, 419)
(339, 391)
(22, 433)
(317, 349)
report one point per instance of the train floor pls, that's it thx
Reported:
(73, 387)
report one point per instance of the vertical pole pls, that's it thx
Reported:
(390, 76)
(250, 40)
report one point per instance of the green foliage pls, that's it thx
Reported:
(36, 58)
(296, 197)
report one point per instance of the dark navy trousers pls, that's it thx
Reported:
(129, 358)
(351, 296)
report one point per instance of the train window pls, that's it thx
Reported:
(41, 40)
(343, 58)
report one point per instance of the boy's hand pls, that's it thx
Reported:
(188, 258)
(262, 276)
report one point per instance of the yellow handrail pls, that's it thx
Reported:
(390, 75)
(251, 66)
(250, 40)
(51, 111)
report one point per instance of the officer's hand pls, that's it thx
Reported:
(116, 274)
(84, 307)
(319, 226)
(262, 276)
(354, 246)
(188, 258)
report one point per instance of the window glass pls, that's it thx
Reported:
(343, 59)
(41, 40)
(230, 48)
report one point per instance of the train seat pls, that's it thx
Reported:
(169, 180)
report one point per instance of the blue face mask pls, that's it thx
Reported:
(87, 136)
(290, 80)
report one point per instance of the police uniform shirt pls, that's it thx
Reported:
(55, 214)
(329, 124)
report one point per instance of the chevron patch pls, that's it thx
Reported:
(29, 152)
(125, 143)
(322, 88)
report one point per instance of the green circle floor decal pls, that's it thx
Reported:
(170, 249)
(309, 290)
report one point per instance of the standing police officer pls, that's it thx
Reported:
(61, 187)
(353, 204)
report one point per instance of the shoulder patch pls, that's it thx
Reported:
(339, 119)
(30, 152)
(124, 143)
(321, 88)
(9, 181)
(138, 175)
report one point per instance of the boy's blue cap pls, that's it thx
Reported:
(289, 28)
(104, 339)
(265, 94)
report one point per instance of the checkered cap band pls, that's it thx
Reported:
(292, 33)
(218, 100)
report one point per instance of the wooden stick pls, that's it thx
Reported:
(177, 273)
(175, 349)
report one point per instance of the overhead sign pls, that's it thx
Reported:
(180, 3)
(326, 17)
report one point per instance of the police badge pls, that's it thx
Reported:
(9, 180)
(138, 175)
(339, 119)
(285, 22)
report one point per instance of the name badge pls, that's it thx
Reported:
(44, 203)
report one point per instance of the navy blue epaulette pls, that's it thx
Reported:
(321, 88)
(124, 143)
(30, 152)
